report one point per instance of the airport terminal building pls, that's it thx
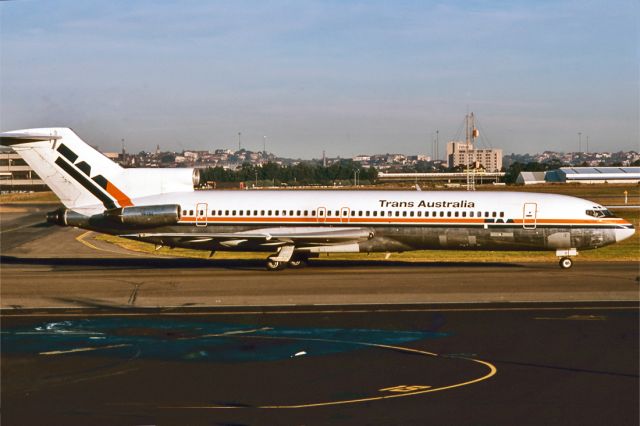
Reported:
(16, 175)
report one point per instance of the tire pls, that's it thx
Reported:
(566, 263)
(274, 265)
(297, 263)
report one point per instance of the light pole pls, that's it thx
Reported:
(239, 141)
(264, 144)
(580, 142)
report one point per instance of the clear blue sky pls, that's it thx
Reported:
(347, 77)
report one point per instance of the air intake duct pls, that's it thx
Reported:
(164, 214)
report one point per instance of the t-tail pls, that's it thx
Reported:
(87, 181)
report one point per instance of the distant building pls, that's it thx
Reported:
(16, 175)
(481, 177)
(594, 175)
(531, 178)
(459, 155)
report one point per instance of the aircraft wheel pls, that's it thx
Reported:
(274, 265)
(297, 263)
(566, 263)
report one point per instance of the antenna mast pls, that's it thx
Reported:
(471, 134)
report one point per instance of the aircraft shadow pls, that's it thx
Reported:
(234, 264)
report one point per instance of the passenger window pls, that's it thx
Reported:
(190, 212)
(298, 212)
(419, 214)
(456, 214)
(255, 212)
(486, 214)
(233, 213)
(284, 212)
(240, 212)
(382, 213)
(494, 214)
(270, 213)
(277, 212)
(375, 213)
(337, 213)
(448, 214)
(328, 212)
(501, 214)
(404, 214)
(313, 212)
(306, 213)
(464, 214)
(261, 212)
(291, 212)
(397, 214)
(184, 212)
(470, 214)
(367, 213)
(441, 214)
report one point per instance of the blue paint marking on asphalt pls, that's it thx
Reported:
(175, 339)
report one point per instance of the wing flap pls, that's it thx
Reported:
(269, 236)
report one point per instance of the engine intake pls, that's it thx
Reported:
(165, 214)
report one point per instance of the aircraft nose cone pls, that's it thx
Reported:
(624, 233)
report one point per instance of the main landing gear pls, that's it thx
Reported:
(565, 261)
(282, 260)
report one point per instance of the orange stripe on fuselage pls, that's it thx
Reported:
(392, 220)
(120, 197)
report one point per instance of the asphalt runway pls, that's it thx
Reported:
(568, 364)
(94, 334)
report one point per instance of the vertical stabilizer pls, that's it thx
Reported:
(78, 174)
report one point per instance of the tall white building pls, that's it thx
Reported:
(458, 155)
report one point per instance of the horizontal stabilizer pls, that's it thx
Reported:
(9, 139)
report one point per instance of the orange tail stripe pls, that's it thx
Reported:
(120, 197)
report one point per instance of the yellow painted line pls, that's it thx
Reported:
(492, 371)
(404, 388)
(575, 318)
(81, 239)
(97, 348)
(4, 311)
(20, 227)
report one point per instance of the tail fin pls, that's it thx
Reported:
(84, 178)
(78, 174)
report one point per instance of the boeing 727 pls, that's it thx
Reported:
(161, 206)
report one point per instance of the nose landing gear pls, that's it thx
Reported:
(565, 261)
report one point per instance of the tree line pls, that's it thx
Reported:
(304, 173)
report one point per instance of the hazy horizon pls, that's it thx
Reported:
(346, 77)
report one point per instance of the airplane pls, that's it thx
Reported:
(161, 206)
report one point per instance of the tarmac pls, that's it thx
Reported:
(95, 334)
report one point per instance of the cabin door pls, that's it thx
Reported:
(529, 215)
(201, 214)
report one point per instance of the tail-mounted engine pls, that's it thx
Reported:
(165, 214)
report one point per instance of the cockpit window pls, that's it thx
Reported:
(599, 213)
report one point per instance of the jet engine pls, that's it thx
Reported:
(165, 214)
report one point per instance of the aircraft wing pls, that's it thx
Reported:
(298, 236)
